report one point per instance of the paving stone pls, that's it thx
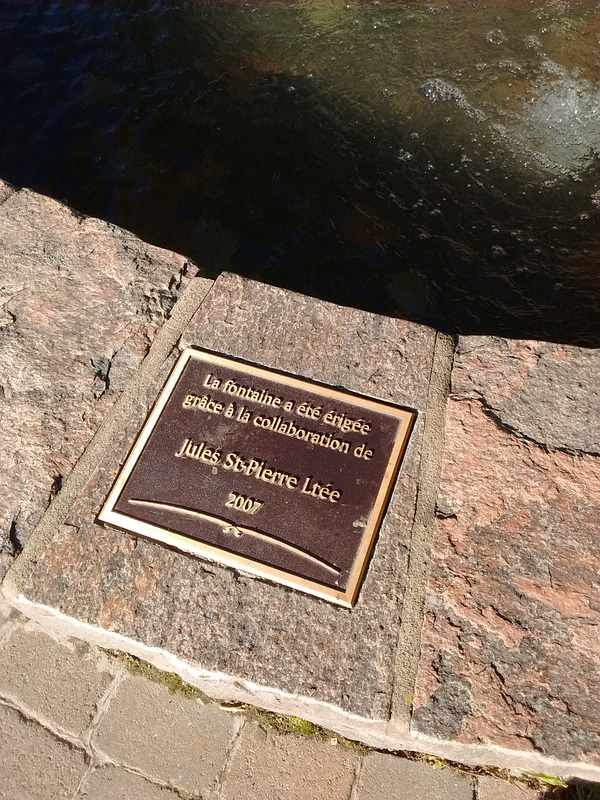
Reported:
(510, 643)
(493, 789)
(51, 679)
(34, 765)
(385, 777)
(110, 783)
(80, 302)
(267, 766)
(222, 621)
(167, 736)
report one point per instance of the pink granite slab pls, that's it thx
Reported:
(511, 642)
(80, 303)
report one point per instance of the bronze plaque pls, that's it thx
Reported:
(272, 474)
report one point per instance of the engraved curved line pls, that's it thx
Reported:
(237, 530)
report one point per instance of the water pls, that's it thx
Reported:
(436, 161)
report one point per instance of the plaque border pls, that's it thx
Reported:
(345, 598)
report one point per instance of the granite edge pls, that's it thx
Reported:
(165, 341)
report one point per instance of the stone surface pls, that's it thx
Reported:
(288, 767)
(111, 783)
(493, 789)
(34, 764)
(80, 302)
(385, 777)
(547, 393)
(171, 738)
(214, 618)
(51, 680)
(511, 641)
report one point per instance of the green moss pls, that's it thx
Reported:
(436, 762)
(547, 780)
(169, 679)
(556, 787)
(282, 724)
(298, 726)
(293, 725)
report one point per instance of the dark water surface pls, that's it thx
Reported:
(438, 161)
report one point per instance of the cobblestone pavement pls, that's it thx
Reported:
(77, 722)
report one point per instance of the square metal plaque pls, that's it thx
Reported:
(271, 474)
